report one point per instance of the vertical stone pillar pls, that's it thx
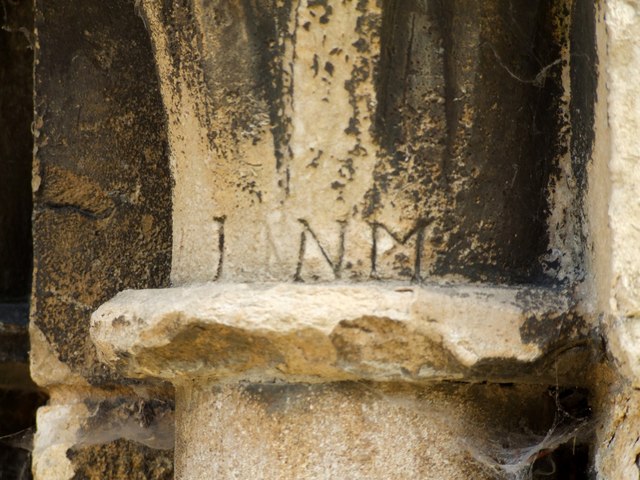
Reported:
(359, 210)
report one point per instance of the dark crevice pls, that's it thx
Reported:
(19, 397)
(16, 146)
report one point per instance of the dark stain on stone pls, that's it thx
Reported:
(329, 68)
(277, 398)
(584, 82)
(549, 331)
(409, 119)
(104, 167)
(564, 366)
(547, 328)
(327, 9)
(469, 122)
(268, 25)
(143, 413)
(121, 321)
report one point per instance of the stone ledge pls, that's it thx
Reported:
(331, 332)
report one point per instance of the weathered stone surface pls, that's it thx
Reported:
(310, 141)
(366, 431)
(337, 331)
(102, 186)
(616, 403)
(14, 346)
(623, 336)
(102, 219)
(623, 25)
(618, 452)
(57, 429)
(121, 459)
(93, 434)
(322, 140)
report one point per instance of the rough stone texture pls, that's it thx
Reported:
(121, 459)
(623, 23)
(335, 332)
(360, 431)
(618, 449)
(303, 150)
(57, 429)
(85, 433)
(318, 140)
(101, 176)
(102, 222)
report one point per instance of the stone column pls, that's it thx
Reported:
(358, 211)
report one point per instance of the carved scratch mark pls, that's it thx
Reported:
(220, 221)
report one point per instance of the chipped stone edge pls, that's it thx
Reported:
(473, 325)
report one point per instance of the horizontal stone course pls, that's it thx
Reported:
(329, 332)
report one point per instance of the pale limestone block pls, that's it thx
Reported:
(623, 335)
(46, 369)
(618, 447)
(242, 209)
(58, 430)
(332, 332)
(623, 26)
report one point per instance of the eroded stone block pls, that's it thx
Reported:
(93, 435)
(337, 332)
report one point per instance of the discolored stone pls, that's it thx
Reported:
(102, 209)
(102, 186)
(357, 140)
(322, 333)
(362, 430)
(121, 459)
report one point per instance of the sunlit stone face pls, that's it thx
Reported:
(323, 140)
